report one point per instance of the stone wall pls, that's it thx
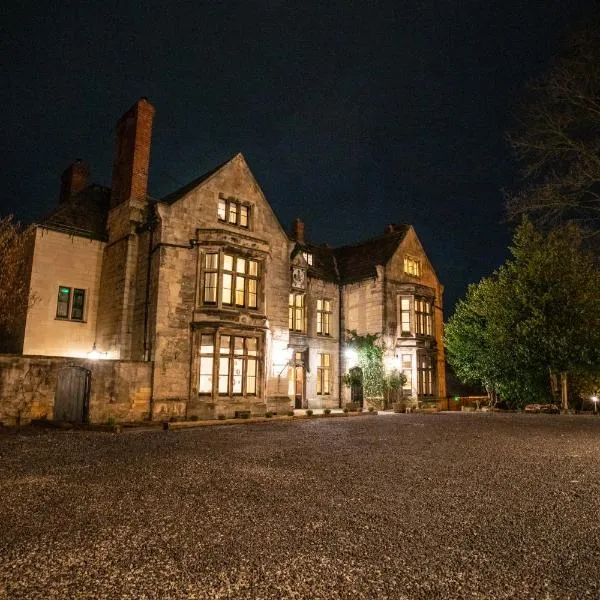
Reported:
(120, 390)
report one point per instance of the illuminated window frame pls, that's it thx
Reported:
(297, 312)
(308, 257)
(405, 315)
(412, 266)
(233, 212)
(324, 375)
(424, 374)
(324, 317)
(231, 280)
(229, 365)
(70, 303)
(423, 316)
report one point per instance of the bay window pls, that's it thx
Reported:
(232, 361)
(230, 280)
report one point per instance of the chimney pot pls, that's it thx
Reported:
(73, 179)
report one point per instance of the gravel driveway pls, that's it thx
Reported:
(406, 506)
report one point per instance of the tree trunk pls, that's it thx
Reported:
(564, 391)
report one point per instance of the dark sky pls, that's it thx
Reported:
(351, 115)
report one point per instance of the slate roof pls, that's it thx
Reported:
(85, 214)
(354, 262)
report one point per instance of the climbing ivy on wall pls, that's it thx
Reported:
(369, 350)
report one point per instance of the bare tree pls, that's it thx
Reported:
(557, 138)
(15, 295)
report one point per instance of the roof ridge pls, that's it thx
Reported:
(373, 239)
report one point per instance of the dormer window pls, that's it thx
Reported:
(412, 266)
(308, 257)
(233, 212)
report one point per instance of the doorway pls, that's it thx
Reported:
(297, 380)
(71, 401)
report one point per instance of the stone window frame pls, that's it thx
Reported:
(425, 374)
(210, 360)
(423, 315)
(324, 374)
(406, 363)
(252, 281)
(416, 315)
(297, 321)
(71, 307)
(241, 212)
(324, 314)
(412, 266)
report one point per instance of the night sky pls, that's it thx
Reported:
(351, 115)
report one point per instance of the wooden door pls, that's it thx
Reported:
(71, 401)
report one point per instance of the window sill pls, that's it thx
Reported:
(66, 319)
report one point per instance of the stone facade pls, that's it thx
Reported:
(219, 307)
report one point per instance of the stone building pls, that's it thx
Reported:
(207, 295)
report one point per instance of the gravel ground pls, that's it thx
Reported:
(406, 506)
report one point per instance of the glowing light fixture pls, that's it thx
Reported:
(595, 401)
(95, 354)
(351, 356)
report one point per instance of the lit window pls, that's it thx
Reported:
(405, 315)
(423, 316)
(407, 370)
(237, 364)
(323, 372)
(230, 280)
(308, 257)
(296, 313)
(425, 375)
(412, 267)
(70, 303)
(233, 212)
(323, 317)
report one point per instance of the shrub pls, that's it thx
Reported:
(194, 418)
(268, 414)
(359, 409)
(245, 415)
(290, 413)
(346, 409)
(110, 421)
(327, 411)
(371, 409)
(309, 413)
(221, 417)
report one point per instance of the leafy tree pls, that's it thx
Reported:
(534, 318)
(15, 298)
(369, 350)
(557, 139)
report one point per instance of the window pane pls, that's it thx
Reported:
(253, 268)
(77, 307)
(206, 344)
(408, 383)
(211, 261)
(326, 359)
(210, 287)
(251, 346)
(224, 375)
(244, 216)
(225, 343)
(226, 296)
(407, 361)
(326, 381)
(233, 212)
(241, 265)
(251, 377)
(239, 290)
(319, 381)
(62, 306)
(239, 345)
(405, 304)
(252, 297)
(237, 375)
(221, 211)
(227, 262)
(206, 367)
(319, 304)
(319, 322)
(326, 323)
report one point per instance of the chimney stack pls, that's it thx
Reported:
(298, 230)
(73, 180)
(132, 154)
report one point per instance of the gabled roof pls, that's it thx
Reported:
(324, 265)
(188, 187)
(358, 261)
(84, 214)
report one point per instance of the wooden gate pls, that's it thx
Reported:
(71, 401)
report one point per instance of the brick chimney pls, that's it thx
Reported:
(73, 180)
(132, 154)
(298, 230)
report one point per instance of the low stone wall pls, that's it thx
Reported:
(120, 390)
